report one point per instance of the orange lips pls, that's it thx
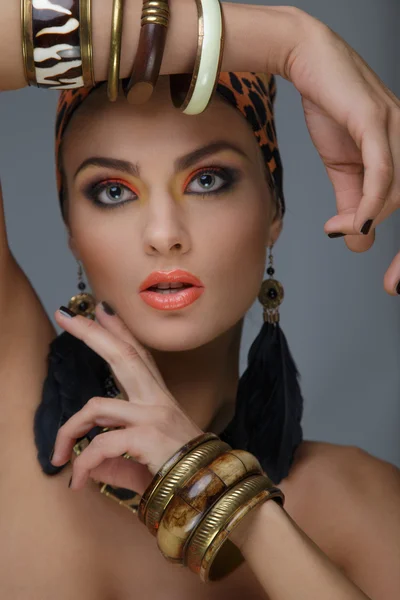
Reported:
(172, 301)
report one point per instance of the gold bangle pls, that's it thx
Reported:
(187, 466)
(197, 495)
(27, 42)
(115, 50)
(87, 43)
(206, 553)
(168, 465)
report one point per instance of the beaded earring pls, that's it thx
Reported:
(83, 303)
(271, 293)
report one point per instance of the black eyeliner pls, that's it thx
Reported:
(92, 191)
(229, 174)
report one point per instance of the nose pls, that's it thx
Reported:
(165, 232)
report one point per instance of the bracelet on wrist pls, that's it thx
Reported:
(197, 495)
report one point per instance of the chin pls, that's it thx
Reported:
(176, 335)
(177, 340)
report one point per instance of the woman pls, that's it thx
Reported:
(189, 378)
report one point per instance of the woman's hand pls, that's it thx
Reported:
(354, 122)
(152, 425)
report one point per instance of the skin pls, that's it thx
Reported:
(328, 491)
(220, 238)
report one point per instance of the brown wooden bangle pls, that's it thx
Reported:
(168, 465)
(174, 480)
(197, 495)
(147, 65)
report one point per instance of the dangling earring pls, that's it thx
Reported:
(271, 293)
(83, 303)
(269, 404)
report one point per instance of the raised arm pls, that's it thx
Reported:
(25, 334)
(274, 32)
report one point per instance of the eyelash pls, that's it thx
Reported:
(229, 174)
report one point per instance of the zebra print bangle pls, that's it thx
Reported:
(52, 43)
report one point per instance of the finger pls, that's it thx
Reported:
(393, 202)
(123, 358)
(108, 445)
(392, 277)
(343, 224)
(123, 473)
(114, 324)
(346, 177)
(102, 412)
(378, 166)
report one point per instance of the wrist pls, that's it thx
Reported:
(266, 515)
(292, 27)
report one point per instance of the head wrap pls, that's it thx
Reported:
(253, 94)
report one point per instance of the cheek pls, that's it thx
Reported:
(238, 253)
(108, 256)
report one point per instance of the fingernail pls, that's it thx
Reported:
(107, 308)
(366, 227)
(398, 288)
(70, 481)
(336, 235)
(66, 312)
(51, 455)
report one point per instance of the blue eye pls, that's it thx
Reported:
(110, 193)
(113, 193)
(212, 181)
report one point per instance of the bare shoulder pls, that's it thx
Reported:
(327, 465)
(348, 502)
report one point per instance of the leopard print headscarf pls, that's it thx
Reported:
(253, 94)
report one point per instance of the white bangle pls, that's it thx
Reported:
(208, 61)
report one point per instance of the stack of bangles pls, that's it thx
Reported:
(58, 53)
(197, 498)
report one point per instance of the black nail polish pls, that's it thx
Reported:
(366, 227)
(336, 235)
(107, 308)
(398, 288)
(51, 455)
(70, 481)
(66, 312)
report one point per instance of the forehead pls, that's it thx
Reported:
(156, 128)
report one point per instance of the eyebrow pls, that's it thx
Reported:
(180, 164)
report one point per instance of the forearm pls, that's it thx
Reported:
(257, 38)
(287, 563)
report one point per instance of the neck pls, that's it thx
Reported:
(204, 380)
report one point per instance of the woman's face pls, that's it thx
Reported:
(168, 203)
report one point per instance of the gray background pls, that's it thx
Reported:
(344, 330)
